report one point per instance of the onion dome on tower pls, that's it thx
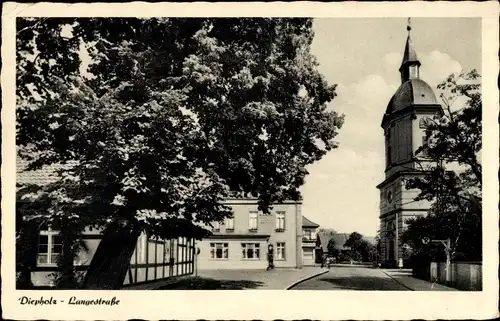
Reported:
(413, 90)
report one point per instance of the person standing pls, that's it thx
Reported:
(270, 258)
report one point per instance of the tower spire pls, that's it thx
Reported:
(410, 64)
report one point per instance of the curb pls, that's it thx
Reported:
(445, 288)
(397, 280)
(305, 279)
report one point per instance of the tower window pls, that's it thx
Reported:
(389, 156)
(413, 72)
(424, 144)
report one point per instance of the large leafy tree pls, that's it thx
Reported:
(453, 181)
(171, 117)
(360, 248)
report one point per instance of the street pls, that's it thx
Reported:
(345, 277)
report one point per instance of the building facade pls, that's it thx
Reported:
(404, 124)
(242, 242)
(153, 259)
(309, 241)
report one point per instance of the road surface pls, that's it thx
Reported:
(346, 277)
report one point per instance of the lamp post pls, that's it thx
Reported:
(447, 248)
(270, 257)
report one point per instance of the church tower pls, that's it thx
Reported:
(404, 130)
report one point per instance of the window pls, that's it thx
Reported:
(252, 221)
(250, 251)
(49, 247)
(230, 224)
(307, 234)
(219, 251)
(280, 221)
(216, 226)
(280, 251)
(424, 144)
(388, 148)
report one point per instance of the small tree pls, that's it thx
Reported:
(454, 138)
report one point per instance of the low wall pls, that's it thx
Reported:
(466, 276)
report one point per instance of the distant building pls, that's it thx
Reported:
(309, 239)
(242, 242)
(324, 237)
(404, 124)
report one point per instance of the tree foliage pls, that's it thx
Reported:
(452, 139)
(170, 117)
(360, 248)
(332, 248)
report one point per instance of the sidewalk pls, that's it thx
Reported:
(406, 278)
(278, 279)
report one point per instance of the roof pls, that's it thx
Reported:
(308, 223)
(43, 176)
(340, 238)
(410, 55)
(412, 92)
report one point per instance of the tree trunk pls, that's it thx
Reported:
(111, 260)
(66, 278)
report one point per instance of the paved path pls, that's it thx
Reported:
(405, 277)
(278, 279)
(346, 277)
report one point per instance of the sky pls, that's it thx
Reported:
(362, 56)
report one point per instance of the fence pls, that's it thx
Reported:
(465, 276)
